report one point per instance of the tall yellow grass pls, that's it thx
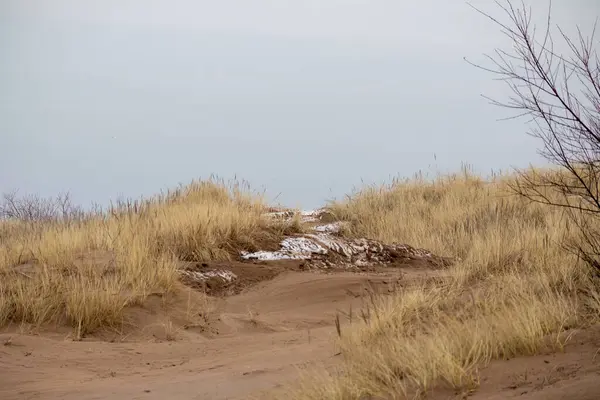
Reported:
(85, 273)
(514, 291)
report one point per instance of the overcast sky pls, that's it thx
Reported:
(305, 98)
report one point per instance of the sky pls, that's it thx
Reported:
(305, 99)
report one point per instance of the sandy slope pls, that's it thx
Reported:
(266, 336)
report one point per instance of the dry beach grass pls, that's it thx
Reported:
(86, 272)
(515, 290)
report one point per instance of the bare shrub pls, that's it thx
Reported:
(560, 94)
(33, 208)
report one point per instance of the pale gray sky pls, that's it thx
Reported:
(306, 98)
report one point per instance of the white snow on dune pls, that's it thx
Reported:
(333, 227)
(302, 245)
(292, 248)
(324, 244)
(334, 244)
(226, 275)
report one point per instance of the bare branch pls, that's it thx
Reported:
(561, 96)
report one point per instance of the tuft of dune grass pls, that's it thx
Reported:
(514, 291)
(87, 272)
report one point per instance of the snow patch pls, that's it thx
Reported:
(334, 244)
(310, 215)
(302, 245)
(292, 248)
(324, 245)
(271, 256)
(333, 227)
(198, 276)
